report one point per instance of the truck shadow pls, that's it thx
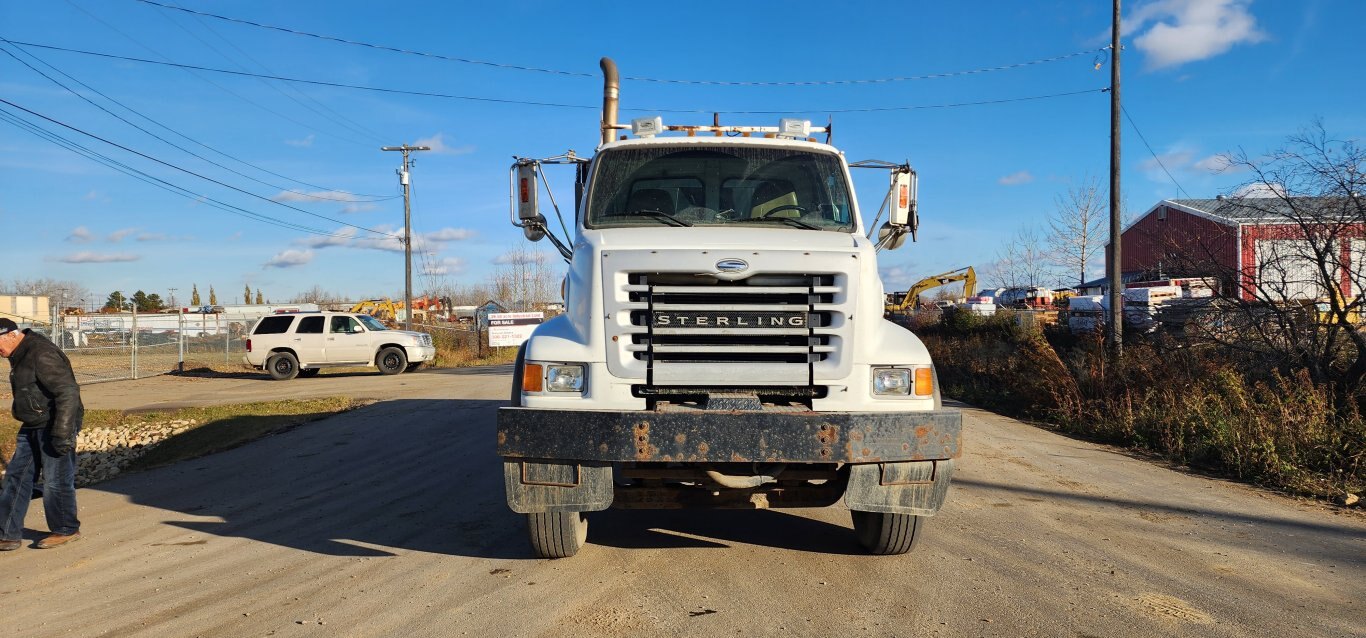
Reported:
(666, 529)
(411, 475)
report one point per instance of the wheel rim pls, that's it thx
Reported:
(282, 366)
(391, 361)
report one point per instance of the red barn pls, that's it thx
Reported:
(1248, 242)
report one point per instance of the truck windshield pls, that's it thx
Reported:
(371, 322)
(734, 185)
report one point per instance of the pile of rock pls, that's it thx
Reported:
(101, 453)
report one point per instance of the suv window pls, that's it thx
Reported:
(343, 323)
(273, 325)
(310, 325)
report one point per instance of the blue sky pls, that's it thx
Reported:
(1201, 77)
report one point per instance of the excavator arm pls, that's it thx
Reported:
(966, 275)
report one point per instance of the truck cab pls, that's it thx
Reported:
(723, 344)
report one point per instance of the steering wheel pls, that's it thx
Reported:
(784, 207)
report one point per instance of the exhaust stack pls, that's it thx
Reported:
(611, 91)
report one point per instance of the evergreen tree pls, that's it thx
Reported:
(194, 295)
(213, 297)
(116, 301)
(246, 294)
(259, 299)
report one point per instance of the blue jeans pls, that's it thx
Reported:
(33, 454)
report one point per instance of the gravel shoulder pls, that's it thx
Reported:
(389, 520)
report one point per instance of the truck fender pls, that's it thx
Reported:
(903, 487)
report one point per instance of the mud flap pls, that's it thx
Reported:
(539, 486)
(907, 487)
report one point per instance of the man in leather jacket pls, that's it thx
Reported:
(47, 402)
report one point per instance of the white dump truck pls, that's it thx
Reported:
(723, 344)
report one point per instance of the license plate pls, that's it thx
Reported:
(703, 319)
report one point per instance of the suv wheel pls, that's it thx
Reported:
(282, 366)
(391, 360)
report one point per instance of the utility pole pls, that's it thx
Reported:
(172, 304)
(1115, 326)
(407, 232)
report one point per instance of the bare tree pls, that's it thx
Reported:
(1077, 227)
(317, 295)
(524, 278)
(1299, 303)
(58, 291)
(1024, 262)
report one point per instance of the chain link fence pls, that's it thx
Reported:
(113, 347)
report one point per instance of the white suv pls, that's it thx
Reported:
(299, 344)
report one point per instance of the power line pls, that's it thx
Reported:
(218, 86)
(190, 172)
(551, 104)
(168, 142)
(269, 85)
(153, 180)
(500, 65)
(1150, 152)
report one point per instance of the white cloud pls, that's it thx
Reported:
(524, 257)
(307, 141)
(350, 237)
(91, 196)
(88, 257)
(80, 235)
(119, 235)
(297, 196)
(359, 207)
(1174, 160)
(438, 144)
(152, 237)
(1174, 32)
(1015, 179)
(290, 258)
(448, 234)
(444, 266)
(1257, 190)
(340, 237)
(898, 277)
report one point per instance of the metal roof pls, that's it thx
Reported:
(1270, 210)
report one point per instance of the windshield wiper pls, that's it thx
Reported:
(797, 223)
(654, 214)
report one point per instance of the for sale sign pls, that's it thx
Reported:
(512, 328)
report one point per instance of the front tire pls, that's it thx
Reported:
(391, 360)
(282, 366)
(888, 534)
(557, 534)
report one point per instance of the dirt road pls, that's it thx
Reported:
(390, 521)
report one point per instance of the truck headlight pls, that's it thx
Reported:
(564, 378)
(900, 382)
(891, 382)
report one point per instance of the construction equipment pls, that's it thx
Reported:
(912, 298)
(383, 309)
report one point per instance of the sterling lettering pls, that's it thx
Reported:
(709, 320)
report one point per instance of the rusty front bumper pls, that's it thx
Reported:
(723, 436)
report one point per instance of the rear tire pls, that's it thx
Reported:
(557, 534)
(391, 360)
(282, 366)
(888, 534)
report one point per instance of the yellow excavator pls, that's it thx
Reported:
(382, 309)
(912, 297)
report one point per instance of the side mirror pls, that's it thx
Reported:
(891, 237)
(904, 191)
(526, 190)
(536, 231)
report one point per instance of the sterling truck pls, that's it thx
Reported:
(723, 344)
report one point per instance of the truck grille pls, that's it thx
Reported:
(775, 319)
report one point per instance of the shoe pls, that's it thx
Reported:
(9, 546)
(56, 540)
